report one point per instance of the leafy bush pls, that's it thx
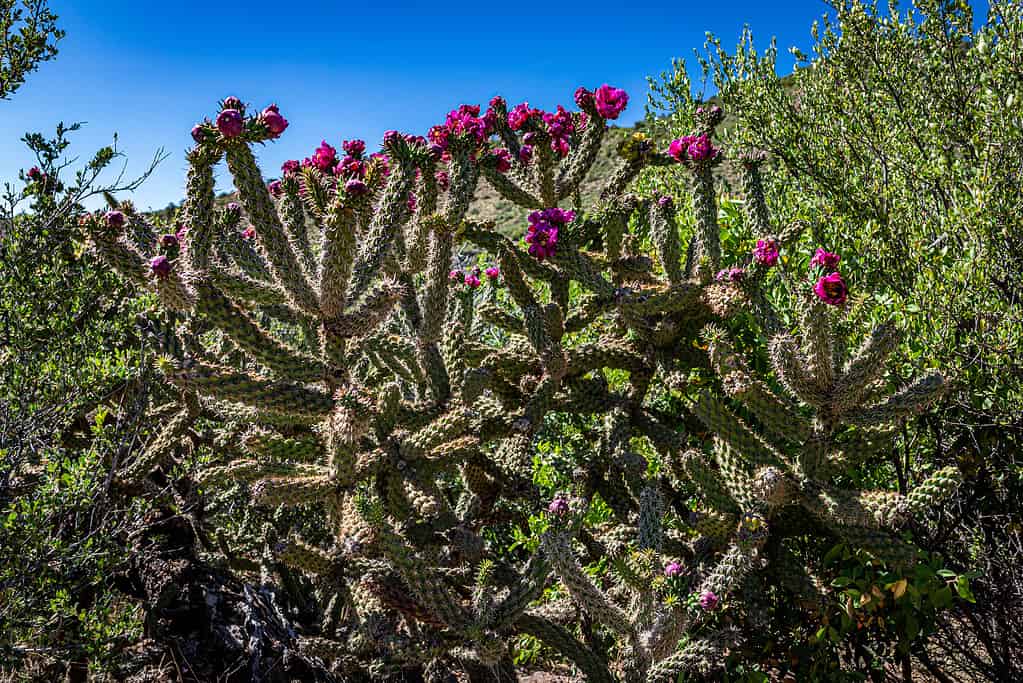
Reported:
(899, 139)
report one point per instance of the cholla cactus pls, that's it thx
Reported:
(324, 312)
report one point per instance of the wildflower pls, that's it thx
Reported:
(542, 233)
(825, 259)
(275, 188)
(730, 275)
(324, 158)
(354, 148)
(702, 149)
(356, 187)
(831, 289)
(677, 148)
(766, 252)
(272, 119)
(503, 159)
(584, 98)
(672, 569)
(709, 600)
(521, 114)
(114, 219)
(558, 506)
(230, 123)
(610, 101)
(160, 266)
(443, 180)
(493, 272)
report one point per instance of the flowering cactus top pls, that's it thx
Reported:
(825, 259)
(831, 289)
(542, 234)
(695, 148)
(766, 252)
(610, 102)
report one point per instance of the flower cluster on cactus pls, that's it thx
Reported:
(358, 374)
(766, 252)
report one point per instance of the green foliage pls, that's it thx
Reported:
(30, 36)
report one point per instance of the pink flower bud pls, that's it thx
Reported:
(766, 252)
(558, 506)
(160, 266)
(709, 600)
(493, 272)
(233, 103)
(672, 569)
(230, 123)
(273, 120)
(114, 219)
(825, 259)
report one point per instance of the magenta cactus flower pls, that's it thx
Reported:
(521, 114)
(455, 275)
(831, 289)
(169, 240)
(503, 159)
(230, 123)
(610, 102)
(709, 600)
(766, 252)
(443, 180)
(584, 98)
(525, 153)
(160, 266)
(493, 272)
(198, 133)
(672, 569)
(249, 233)
(558, 506)
(34, 173)
(290, 166)
(825, 259)
(356, 187)
(542, 233)
(114, 219)
(234, 208)
(472, 280)
(275, 188)
(324, 158)
(678, 146)
(560, 126)
(730, 275)
(702, 149)
(233, 103)
(354, 148)
(274, 122)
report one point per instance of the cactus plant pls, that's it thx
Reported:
(399, 398)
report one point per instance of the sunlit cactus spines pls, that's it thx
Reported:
(378, 358)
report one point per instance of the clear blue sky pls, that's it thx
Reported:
(149, 70)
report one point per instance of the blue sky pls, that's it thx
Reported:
(149, 70)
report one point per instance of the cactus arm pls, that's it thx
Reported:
(269, 232)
